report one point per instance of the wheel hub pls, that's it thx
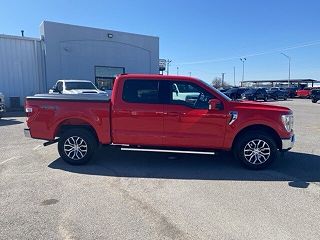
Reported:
(75, 147)
(257, 151)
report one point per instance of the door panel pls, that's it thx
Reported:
(189, 123)
(197, 128)
(138, 116)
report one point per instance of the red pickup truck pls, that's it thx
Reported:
(147, 113)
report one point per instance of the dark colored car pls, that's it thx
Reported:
(315, 95)
(291, 91)
(235, 93)
(277, 93)
(255, 94)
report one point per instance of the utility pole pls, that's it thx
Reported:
(222, 79)
(243, 60)
(189, 74)
(234, 76)
(289, 59)
(177, 71)
(168, 65)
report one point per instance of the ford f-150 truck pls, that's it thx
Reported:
(144, 115)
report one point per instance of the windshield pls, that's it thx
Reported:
(231, 90)
(80, 85)
(215, 90)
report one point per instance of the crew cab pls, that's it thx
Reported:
(144, 114)
(75, 87)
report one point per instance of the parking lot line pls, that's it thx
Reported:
(12, 158)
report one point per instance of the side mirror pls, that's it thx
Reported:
(215, 104)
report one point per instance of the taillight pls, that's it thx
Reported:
(28, 111)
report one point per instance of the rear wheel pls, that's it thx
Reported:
(76, 146)
(255, 150)
(314, 100)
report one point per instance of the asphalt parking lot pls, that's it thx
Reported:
(135, 195)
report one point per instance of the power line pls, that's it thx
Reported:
(276, 50)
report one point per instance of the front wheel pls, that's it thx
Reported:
(255, 150)
(76, 146)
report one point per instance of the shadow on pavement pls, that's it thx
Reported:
(296, 168)
(7, 122)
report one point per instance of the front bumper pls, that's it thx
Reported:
(288, 143)
(27, 133)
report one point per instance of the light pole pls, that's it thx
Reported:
(289, 59)
(178, 71)
(222, 79)
(234, 76)
(243, 60)
(168, 65)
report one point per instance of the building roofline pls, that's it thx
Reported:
(19, 37)
(112, 31)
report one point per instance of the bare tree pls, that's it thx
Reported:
(217, 83)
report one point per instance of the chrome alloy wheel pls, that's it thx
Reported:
(75, 147)
(257, 151)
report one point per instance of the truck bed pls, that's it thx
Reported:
(51, 112)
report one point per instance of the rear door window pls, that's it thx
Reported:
(141, 91)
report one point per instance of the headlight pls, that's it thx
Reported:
(287, 121)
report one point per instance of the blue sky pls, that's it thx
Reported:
(205, 37)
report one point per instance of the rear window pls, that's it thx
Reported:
(79, 85)
(141, 91)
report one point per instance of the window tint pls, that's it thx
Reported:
(189, 94)
(141, 91)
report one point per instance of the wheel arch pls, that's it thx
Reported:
(73, 123)
(262, 128)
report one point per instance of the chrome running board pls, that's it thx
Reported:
(165, 151)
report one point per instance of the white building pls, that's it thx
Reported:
(30, 65)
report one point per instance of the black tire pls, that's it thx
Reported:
(265, 99)
(313, 100)
(254, 98)
(262, 153)
(276, 98)
(85, 144)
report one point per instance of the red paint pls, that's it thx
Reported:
(303, 93)
(120, 122)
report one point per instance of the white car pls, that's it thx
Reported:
(2, 105)
(75, 87)
(178, 94)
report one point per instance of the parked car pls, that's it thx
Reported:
(142, 115)
(277, 93)
(315, 95)
(183, 92)
(2, 105)
(75, 87)
(291, 91)
(255, 94)
(304, 93)
(235, 93)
